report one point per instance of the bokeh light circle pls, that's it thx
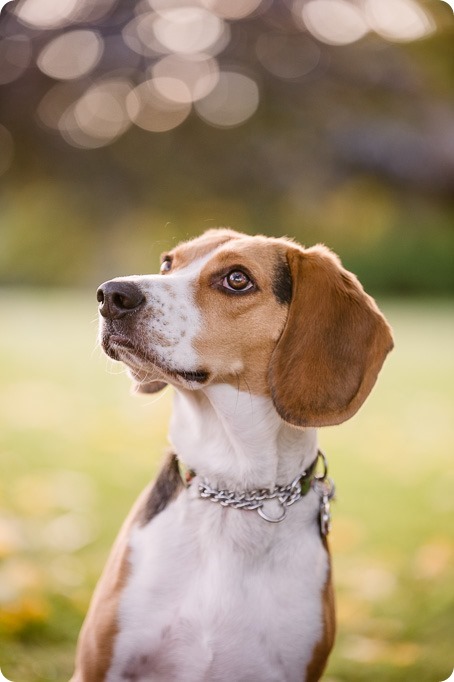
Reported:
(99, 116)
(150, 110)
(195, 76)
(336, 22)
(234, 99)
(287, 57)
(399, 20)
(232, 9)
(71, 55)
(46, 14)
(15, 57)
(189, 30)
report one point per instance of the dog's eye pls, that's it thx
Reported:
(166, 265)
(237, 281)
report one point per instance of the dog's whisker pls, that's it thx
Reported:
(97, 348)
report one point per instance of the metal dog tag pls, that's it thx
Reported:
(325, 489)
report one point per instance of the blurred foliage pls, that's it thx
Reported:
(76, 448)
(351, 144)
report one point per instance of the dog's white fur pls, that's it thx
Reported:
(219, 596)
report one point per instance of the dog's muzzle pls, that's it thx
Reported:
(117, 299)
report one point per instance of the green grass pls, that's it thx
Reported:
(76, 448)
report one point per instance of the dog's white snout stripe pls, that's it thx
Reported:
(170, 319)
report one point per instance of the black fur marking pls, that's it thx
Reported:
(166, 488)
(282, 282)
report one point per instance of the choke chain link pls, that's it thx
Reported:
(286, 495)
(254, 499)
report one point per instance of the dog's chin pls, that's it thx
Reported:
(149, 386)
(177, 378)
(146, 381)
(151, 378)
(148, 372)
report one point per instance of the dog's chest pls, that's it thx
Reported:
(216, 594)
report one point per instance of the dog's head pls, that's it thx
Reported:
(265, 315)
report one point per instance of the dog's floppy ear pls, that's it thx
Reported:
(333, 345)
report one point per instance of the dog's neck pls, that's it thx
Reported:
(237, 440)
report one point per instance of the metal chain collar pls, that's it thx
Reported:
(286, 495)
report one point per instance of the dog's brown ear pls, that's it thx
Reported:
(333, 345)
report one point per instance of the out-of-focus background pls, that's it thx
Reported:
(126, 126)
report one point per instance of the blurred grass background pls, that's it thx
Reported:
(120, 135)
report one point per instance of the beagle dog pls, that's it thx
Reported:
(224, 575)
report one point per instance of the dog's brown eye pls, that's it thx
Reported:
(166, 265)
(237, 281)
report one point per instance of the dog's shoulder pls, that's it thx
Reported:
(97, 636)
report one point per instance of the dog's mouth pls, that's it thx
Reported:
(112, 344)
(200, 376)
(123, 349)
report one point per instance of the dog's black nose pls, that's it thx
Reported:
(117, 299)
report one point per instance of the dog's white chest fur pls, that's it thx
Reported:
(201, 603)
(221, 594)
